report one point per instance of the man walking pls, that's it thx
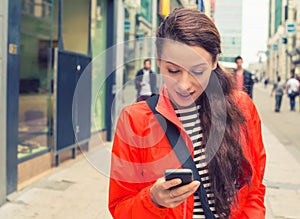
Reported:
(292, 87)
(244, 79)
(145, 81)
(278, 88)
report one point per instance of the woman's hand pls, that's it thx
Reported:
(163, 195)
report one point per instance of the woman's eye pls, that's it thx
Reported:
(173, 71)
(197, 72)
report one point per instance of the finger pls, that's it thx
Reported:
(171, 183)
(171, 194)
(186, 190)
(173, 199)
(179, 195)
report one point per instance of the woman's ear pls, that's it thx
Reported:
(214, 66)
(158, 62)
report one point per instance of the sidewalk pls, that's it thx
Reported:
(282, 176)
(75, 191)
(80, 189)
(282, 179)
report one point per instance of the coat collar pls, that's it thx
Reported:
(165, 108)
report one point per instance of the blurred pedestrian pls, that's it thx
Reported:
(244, 79)
(292, 89)
(278, 88)
(145, 81)
(298, 77)
(266, 82)
(219, 127)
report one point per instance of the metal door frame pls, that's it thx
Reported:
(3, 99)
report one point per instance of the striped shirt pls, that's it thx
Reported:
(189, 117)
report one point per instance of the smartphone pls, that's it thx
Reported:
(186, 176)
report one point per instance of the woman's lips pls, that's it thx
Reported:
(185, 94)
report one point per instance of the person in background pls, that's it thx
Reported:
(266, 82)
(244, 79)
(278, 88)
(145, 82)
(292, 89)
(219, 125)
(298, 78)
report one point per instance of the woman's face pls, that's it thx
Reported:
(186, 71)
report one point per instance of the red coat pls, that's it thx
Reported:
(141, 153)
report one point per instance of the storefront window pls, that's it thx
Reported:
(36, 58)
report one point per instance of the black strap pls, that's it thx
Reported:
(182, 152)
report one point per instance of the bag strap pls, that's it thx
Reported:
(182, 152)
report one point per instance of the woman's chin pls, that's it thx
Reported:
(184, 102)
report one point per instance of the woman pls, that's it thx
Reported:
(219, 125)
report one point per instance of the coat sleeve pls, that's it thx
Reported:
(138, 79)
(254, 206)
(153, 83)
(129, 196)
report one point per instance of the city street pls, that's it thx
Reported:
(79, 189)
(281, 138)
(284, 125)
(68, 68)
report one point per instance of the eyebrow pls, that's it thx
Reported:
(172, 63)
(195, 66)
(200, 65)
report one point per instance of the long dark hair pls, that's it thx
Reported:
(229, 170)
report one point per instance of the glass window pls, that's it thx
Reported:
(278, 14)
(75, 25)
(146, 10)
(35, 85)
(98, 34)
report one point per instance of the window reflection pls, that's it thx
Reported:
(37, 8)
(35, 85)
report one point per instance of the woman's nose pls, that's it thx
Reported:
(186, 80)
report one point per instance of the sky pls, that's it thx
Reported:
(255, 29)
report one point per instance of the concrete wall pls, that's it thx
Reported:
(3, 61)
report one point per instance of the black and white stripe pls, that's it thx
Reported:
(190, 120)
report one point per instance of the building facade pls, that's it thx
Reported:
(210, 8)
(228, 19)
(59, 74)
(283, 39)
(45, 51)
